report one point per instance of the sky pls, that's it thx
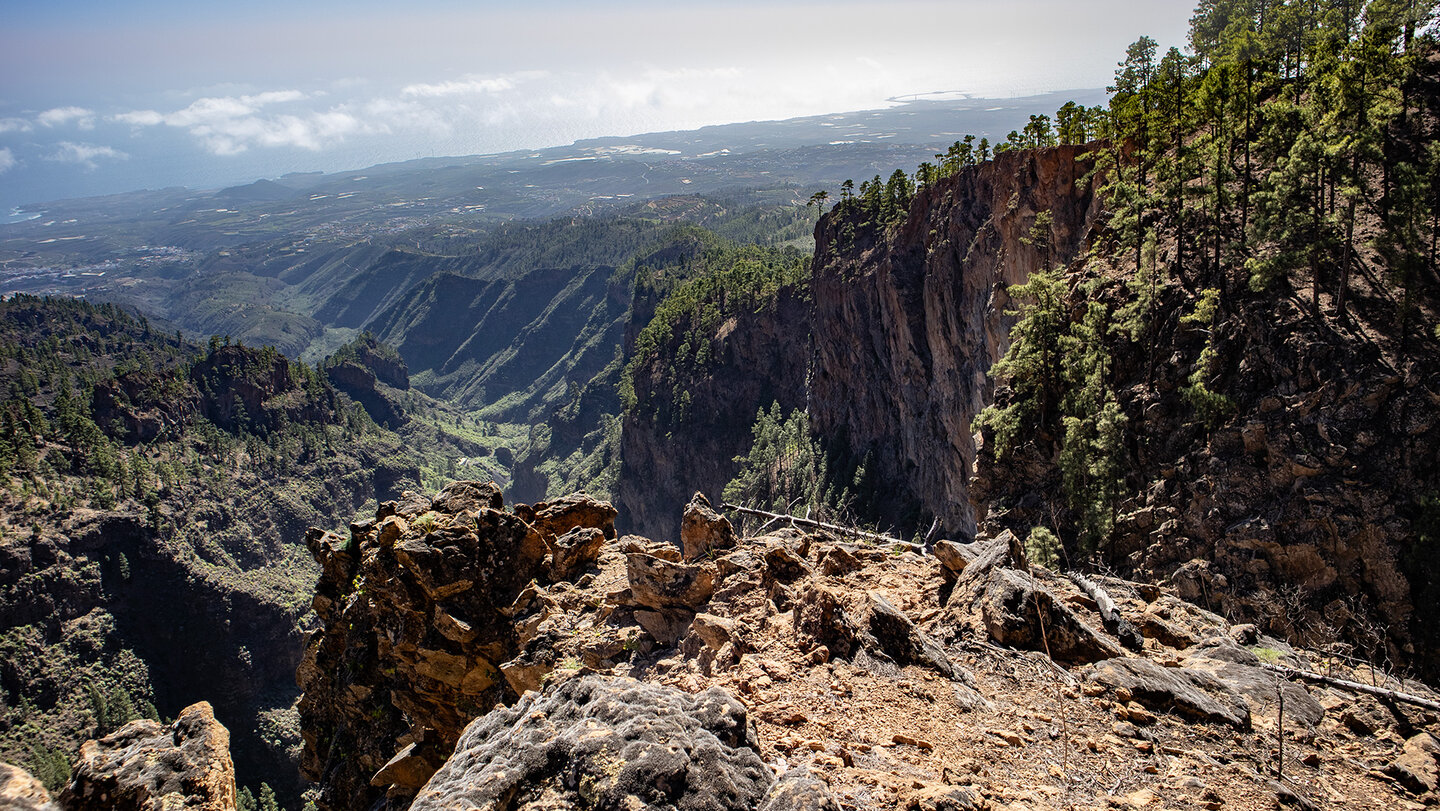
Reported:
(98, 96)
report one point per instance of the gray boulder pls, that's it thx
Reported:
(1192, 693)
(601, 742)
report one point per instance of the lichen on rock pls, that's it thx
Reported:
(149, 766)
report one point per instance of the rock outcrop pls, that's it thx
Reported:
(143, 406)
(599, 742)
(703, 531)
(418, 607)
(370, 372)
(255, 388)
(235, 387)
(797, 671)
(364, 388)
(147, 766)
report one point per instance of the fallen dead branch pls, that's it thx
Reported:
(1114, 623)
(807, 522)
(1354, 686)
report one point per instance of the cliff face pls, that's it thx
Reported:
(1300, 504)
(760, 358)
(908, 320)
(1303, 508)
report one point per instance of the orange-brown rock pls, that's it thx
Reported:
(420, 634)
(866, 682)
(20, 791)
(704, 531)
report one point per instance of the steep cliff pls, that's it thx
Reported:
(150, 558)
(909, 318)
(756, 357)
(1274, 451)
(1300, 503)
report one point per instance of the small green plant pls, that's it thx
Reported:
(1043, 548)
(427, 522)
(1269, 656)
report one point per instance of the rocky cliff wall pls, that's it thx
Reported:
(1303, 506)
(908, 319)
(760, 358)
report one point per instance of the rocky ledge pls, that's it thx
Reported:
(806, 668)
(479, 656)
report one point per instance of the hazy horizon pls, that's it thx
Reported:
(97, 99)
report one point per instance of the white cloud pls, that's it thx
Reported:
(211, 109)
(14, 125)
(60, 116)
(229, 125)
(468, 85)
(141, 118)
(311, 131)
(86, 155)
(7, 160)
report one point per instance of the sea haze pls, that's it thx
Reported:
(167, 159)
(100, 98)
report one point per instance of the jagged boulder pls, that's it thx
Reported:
(600, 742)
(716, 632)
(551, 519)
(1418, 766)
(574, 551)
(953, 556)
(838, 561)
(468, 496)
(785, 564)
(704, 531)
(799, 790)
(940, 797)
(896, 635)
(822, 618)
(20, 791)
(661, 584)
(996, 594)
(148, 766)
(1239, 669)
(1178, 624)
